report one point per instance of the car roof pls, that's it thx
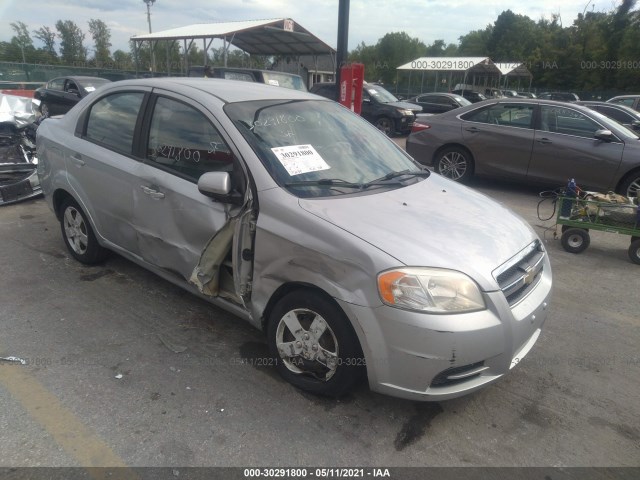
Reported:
(624, 96)
(610, 105)
(229, 91)
(81, 78)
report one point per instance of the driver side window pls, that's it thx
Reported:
(184, 141)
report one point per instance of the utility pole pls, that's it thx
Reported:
(343, 40)
(151, 49)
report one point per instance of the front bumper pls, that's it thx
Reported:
(428, 357)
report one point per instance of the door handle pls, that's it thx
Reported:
(473, 129)
(544, 140)
(77, 161)
(151, 192)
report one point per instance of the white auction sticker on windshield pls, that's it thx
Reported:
(299, 159)
(89, 89)
(275, 83)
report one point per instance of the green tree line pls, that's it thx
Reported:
(598, 51)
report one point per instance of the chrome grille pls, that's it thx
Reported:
(522, 273)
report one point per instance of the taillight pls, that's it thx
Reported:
(418, 127)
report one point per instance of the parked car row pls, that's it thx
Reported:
(536, 141)
(379, 107)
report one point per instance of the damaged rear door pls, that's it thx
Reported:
(179, 229)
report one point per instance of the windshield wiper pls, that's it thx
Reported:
(325, 182)
(392, 175)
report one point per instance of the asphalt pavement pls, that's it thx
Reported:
(125, 369)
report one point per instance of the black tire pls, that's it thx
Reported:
(317, 373)
(634, 251)
(78, 235)
(630, 186)
(385, 125)
(575, 240)
(455, 163)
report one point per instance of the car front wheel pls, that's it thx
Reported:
(314, 345)
(455, 163)
(630, 186)
(78, 234)
(385, 125)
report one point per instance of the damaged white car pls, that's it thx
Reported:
(297, 215)
(18, 176)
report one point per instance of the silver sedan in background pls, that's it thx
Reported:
(540, 142)
(302, 218)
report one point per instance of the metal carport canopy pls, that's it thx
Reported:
(279, 36)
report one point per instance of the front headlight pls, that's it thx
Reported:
(406, 112)
(433, 290)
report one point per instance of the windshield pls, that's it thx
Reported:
(92, 84)
(316, 148)
(462, 101)
(380, 94)
(283, 80)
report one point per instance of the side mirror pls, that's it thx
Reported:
(604, 135)
(366, 100)
(217, 185)
(635, 125)
(73, 91)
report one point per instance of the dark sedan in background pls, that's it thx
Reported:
(631, 101)
(439, 102)
(60, 94)
(628, 117)
(379, 107)
(470, 95)
(538, 142)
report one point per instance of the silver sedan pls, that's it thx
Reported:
(300, 217)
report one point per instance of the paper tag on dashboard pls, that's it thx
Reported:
(89, 89)
(275, 83)
(299, 159)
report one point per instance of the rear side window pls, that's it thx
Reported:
(184, 141)
(510, 115)
(112, 120)
(58, 84)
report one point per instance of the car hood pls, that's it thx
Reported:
(432, 223)
(406, 105)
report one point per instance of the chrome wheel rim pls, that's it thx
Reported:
(307, 345)
(575, 240)
(75, 230)
(453, 165)
(634, 188)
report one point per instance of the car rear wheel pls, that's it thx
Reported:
(455, 163)
(315, 347)
(575, 240)
(385, 124)
(78, 235)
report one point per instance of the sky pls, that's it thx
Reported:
(428, 20)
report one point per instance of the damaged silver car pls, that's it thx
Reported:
(300, 217)
(18, 162)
